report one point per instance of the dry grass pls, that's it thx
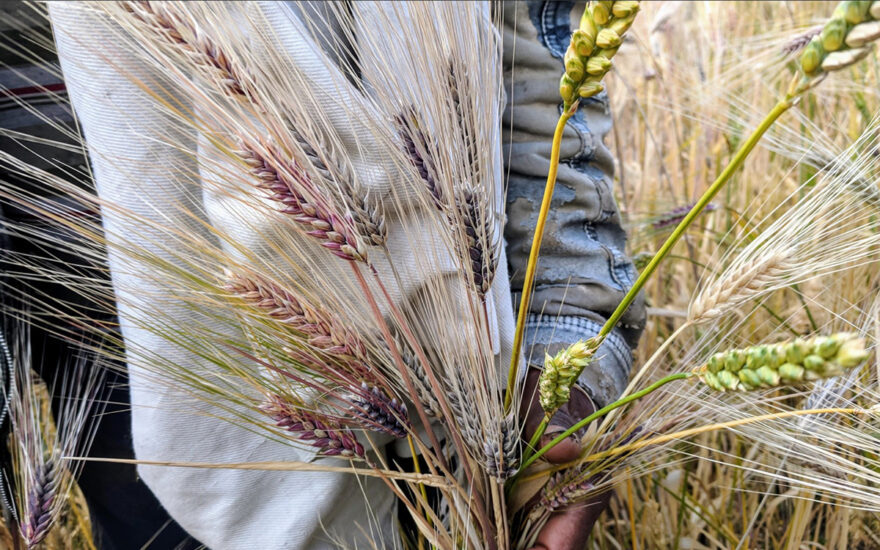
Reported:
(692, 80)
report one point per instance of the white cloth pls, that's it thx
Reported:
(143, 174)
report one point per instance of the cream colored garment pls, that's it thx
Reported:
(222, 508)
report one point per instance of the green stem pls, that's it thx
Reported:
(529, 279)
(710, 193)
(602, 412)
(533, 442)
(803, 302)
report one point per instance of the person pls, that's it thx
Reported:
(582, 275)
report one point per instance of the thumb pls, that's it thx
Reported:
(578, 407)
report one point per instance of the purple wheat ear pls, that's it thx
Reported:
(38, 518)
(376, 411)
(328, 437)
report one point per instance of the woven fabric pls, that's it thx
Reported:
(123, 127)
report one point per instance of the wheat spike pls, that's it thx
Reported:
(738, 286)
(561, 372)
(791, 362)
(562, 489)
(593, 44)
(286, 180)
(845, 39)
(375, 411)
(323, 330)
(328, 437)
(169, 25)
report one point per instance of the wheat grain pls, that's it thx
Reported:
(419, 377)
(366, 213)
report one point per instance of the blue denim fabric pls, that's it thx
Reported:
(583, 272)
(603, 385)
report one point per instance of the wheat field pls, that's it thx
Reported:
(694, 76)
(691, 80)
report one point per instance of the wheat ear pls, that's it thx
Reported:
(323, 331)
(366, 216)
(328, 437)
(285, 180)
(791, 362)
(376, 411)
(38, 517)
(481, 252)
(845, 39)
(170, 26)
(738, 286)
(593, 44)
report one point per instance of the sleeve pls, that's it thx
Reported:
(140, 173)
(583, 271)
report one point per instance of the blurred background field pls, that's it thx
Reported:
(690, 81)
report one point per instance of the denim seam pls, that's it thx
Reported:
(550, 24)
(585, 327)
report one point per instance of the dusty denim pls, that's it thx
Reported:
(583, 271)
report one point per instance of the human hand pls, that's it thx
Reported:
(568, 528)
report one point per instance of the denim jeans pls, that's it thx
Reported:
(583, 271)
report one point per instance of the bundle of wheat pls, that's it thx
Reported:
(303, 229)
